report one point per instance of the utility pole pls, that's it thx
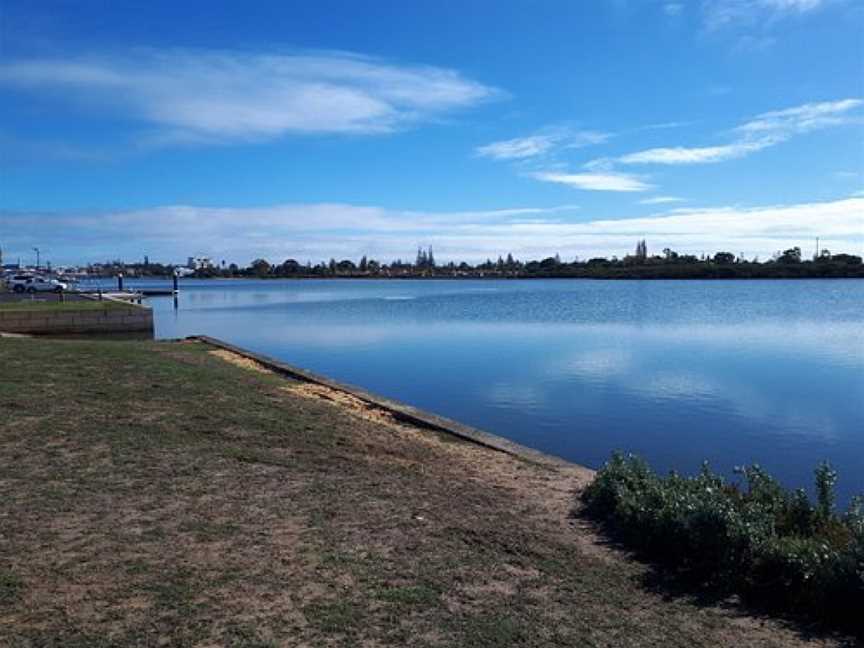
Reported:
(817, 247)
(37, 257)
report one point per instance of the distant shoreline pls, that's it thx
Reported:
(858, 275)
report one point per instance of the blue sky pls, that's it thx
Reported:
(319, 129)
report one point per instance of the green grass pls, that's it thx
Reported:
(333, 616)
(11, 587)
(35, 304)
(409, 595)
(165, 496)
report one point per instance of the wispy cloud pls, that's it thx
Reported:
(319, 231)
(694, 155)
(207, 96)
(595, 181)
(518, 147)
(664, 125)
(723, 13)
(538, 150)
(756, 134)
(540, 143)
(661, 200)
(801, 119)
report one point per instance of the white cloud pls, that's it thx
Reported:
(319, 231)
(799, 6)
(723, 13)
(695, 155)
(665, 125)
(673, 8)
(661, 200)
(801, 119)
(540, 143)
(595, 181)
(517, 148)
(207, 96)
(761, 132)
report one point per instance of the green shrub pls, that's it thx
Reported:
(771, 545)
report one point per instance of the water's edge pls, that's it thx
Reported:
(400, 411)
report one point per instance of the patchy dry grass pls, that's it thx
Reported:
(154, 494)
(36, 304)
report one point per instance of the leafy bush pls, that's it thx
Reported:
(773, 546)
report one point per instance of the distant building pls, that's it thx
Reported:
(199, 263)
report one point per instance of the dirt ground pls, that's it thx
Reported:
(166, 494)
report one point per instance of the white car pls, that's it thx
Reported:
(30, 284)
(18, 280)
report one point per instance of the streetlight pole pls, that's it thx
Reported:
(37, 257)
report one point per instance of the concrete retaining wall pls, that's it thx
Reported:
(131, 319)
(400, 411)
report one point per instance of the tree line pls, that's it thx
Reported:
(639, 265)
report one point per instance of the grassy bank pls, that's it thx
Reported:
(28, 305)
(163, 494)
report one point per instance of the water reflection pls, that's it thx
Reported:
(733, 372)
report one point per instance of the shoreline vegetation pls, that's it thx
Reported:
(788, 264)
(770, 545)
(172, 493)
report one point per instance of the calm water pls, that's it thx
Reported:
(734, 372)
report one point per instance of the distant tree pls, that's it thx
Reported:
(290, 267)
(724, 258)
(260, 267)
(364, 264)
(846, 259)
(550, 262)
(792, 255)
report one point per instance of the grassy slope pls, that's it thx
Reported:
(88, 305)
(161, 496)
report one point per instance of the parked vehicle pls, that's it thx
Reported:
(19, 279)
(31, 284)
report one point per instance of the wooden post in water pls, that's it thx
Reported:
(176, 281)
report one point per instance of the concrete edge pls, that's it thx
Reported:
(400, 411)
(131, 304)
